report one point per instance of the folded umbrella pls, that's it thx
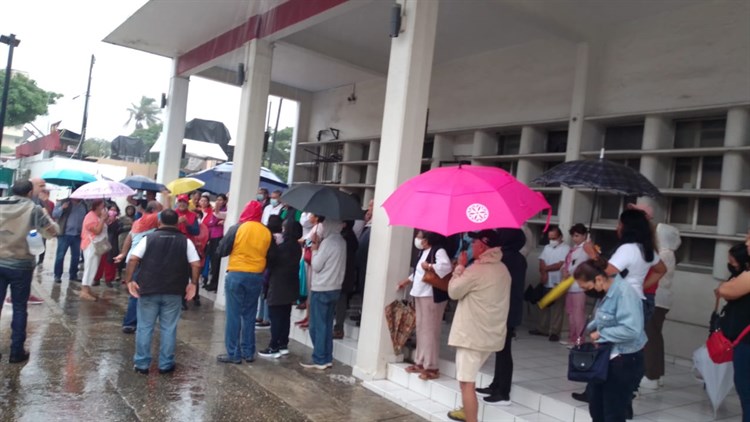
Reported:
(401, 318)
(323, 200)
(717, 377)
(102, 189)
(466, 198)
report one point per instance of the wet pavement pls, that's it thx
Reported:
(81, 369)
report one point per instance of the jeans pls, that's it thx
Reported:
(242, 291)
(503, 378)
(63, 243)
(131, 314)
(262, 312)
(741, 361)
(167, 308)
(610, 400)
(20, 288)
(322, 311)
(280, 319)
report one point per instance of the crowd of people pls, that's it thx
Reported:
(279, 257)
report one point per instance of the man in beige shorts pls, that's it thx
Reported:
(479, 325)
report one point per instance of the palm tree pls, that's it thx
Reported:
(144, 113)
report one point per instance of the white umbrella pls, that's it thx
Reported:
(102, 189)
(717, 377)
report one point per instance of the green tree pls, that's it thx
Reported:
(149, 136)
(144, 114)
(281, 151)
(26, 101)
(97, 147)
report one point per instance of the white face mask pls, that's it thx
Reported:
(418, 243)
(554, 243)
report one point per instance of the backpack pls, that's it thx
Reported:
(15, 217)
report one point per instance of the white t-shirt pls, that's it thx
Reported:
(552, 255)
(442, 267)
(269, 210)
(577, 257)
(629, 257)
(192, 254)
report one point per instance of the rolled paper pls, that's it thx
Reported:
(555, 293)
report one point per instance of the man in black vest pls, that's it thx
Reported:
(169, 268)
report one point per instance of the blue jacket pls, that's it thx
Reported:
(619, 319)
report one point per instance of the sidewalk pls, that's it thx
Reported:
(81, 369)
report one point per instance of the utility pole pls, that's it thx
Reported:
(12, 42)
(79, 149)
(275, 130)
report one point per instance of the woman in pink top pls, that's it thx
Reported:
(214, 220)
(93, 230)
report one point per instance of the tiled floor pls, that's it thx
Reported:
(541, 391)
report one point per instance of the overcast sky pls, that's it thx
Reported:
(57, 40)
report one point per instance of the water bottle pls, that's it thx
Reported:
(36, 244)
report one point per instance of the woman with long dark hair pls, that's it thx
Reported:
(619, 324)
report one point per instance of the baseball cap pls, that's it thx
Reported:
(488, 236)
(183, 198)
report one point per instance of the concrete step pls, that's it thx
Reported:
(344, 350)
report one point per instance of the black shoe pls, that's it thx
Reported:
(19, 358)
(168, 370)
(499, 399)
(184, 305)
(249, 360)
(58, 280)
(211, 288)
(128, 330)
(536, 333)
(580, 397)
(227, 359)
(485, 390)
(554, 337)
(142, 371)
(197, 300)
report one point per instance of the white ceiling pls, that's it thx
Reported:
(352, 44)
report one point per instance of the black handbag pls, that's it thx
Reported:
(589, 362)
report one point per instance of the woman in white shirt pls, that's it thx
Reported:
(430, 303)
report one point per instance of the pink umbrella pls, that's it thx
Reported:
(102, 189)
(450, 200)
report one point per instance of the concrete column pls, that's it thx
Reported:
(533, 140)
(249, 149)
(484, 144)
(404, 115)
(442, 150)
(577, 131)
(174, 128)
(733, 167)
(658, 133)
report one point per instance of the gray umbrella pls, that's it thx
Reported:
(323, 200)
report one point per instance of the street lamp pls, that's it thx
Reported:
(12, 42)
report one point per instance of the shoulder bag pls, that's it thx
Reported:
(720, 348)
(588, 362)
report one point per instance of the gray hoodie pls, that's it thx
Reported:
(329, 261)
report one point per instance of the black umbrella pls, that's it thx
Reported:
(323, 200)
(142, 183)
(599, 174)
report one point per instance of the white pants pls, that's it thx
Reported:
(90, 265)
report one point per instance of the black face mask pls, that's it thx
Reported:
(593, 293)
(734, 271)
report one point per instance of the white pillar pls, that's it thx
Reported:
(404, 115)
(251, 128)
(484, 144)
(658, 133)
(533, 140)
(578, 129)
(174, 128)
(734, 166)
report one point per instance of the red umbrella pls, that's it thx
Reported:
(466, 198)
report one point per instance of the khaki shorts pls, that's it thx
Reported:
(468, 363)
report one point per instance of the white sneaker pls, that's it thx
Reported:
(566, 343)
(314, 366)
(649, 384)
(284, 352)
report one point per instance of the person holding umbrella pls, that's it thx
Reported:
(69, 214)
(93, 230)
(430, 302)
(328, 266)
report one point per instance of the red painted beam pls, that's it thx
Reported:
(258, 26)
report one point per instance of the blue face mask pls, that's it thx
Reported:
(274, 202)
(466, 244)
(259, 197)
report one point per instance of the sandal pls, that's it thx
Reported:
(414, 369)
(301, 322)
(429, 374)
